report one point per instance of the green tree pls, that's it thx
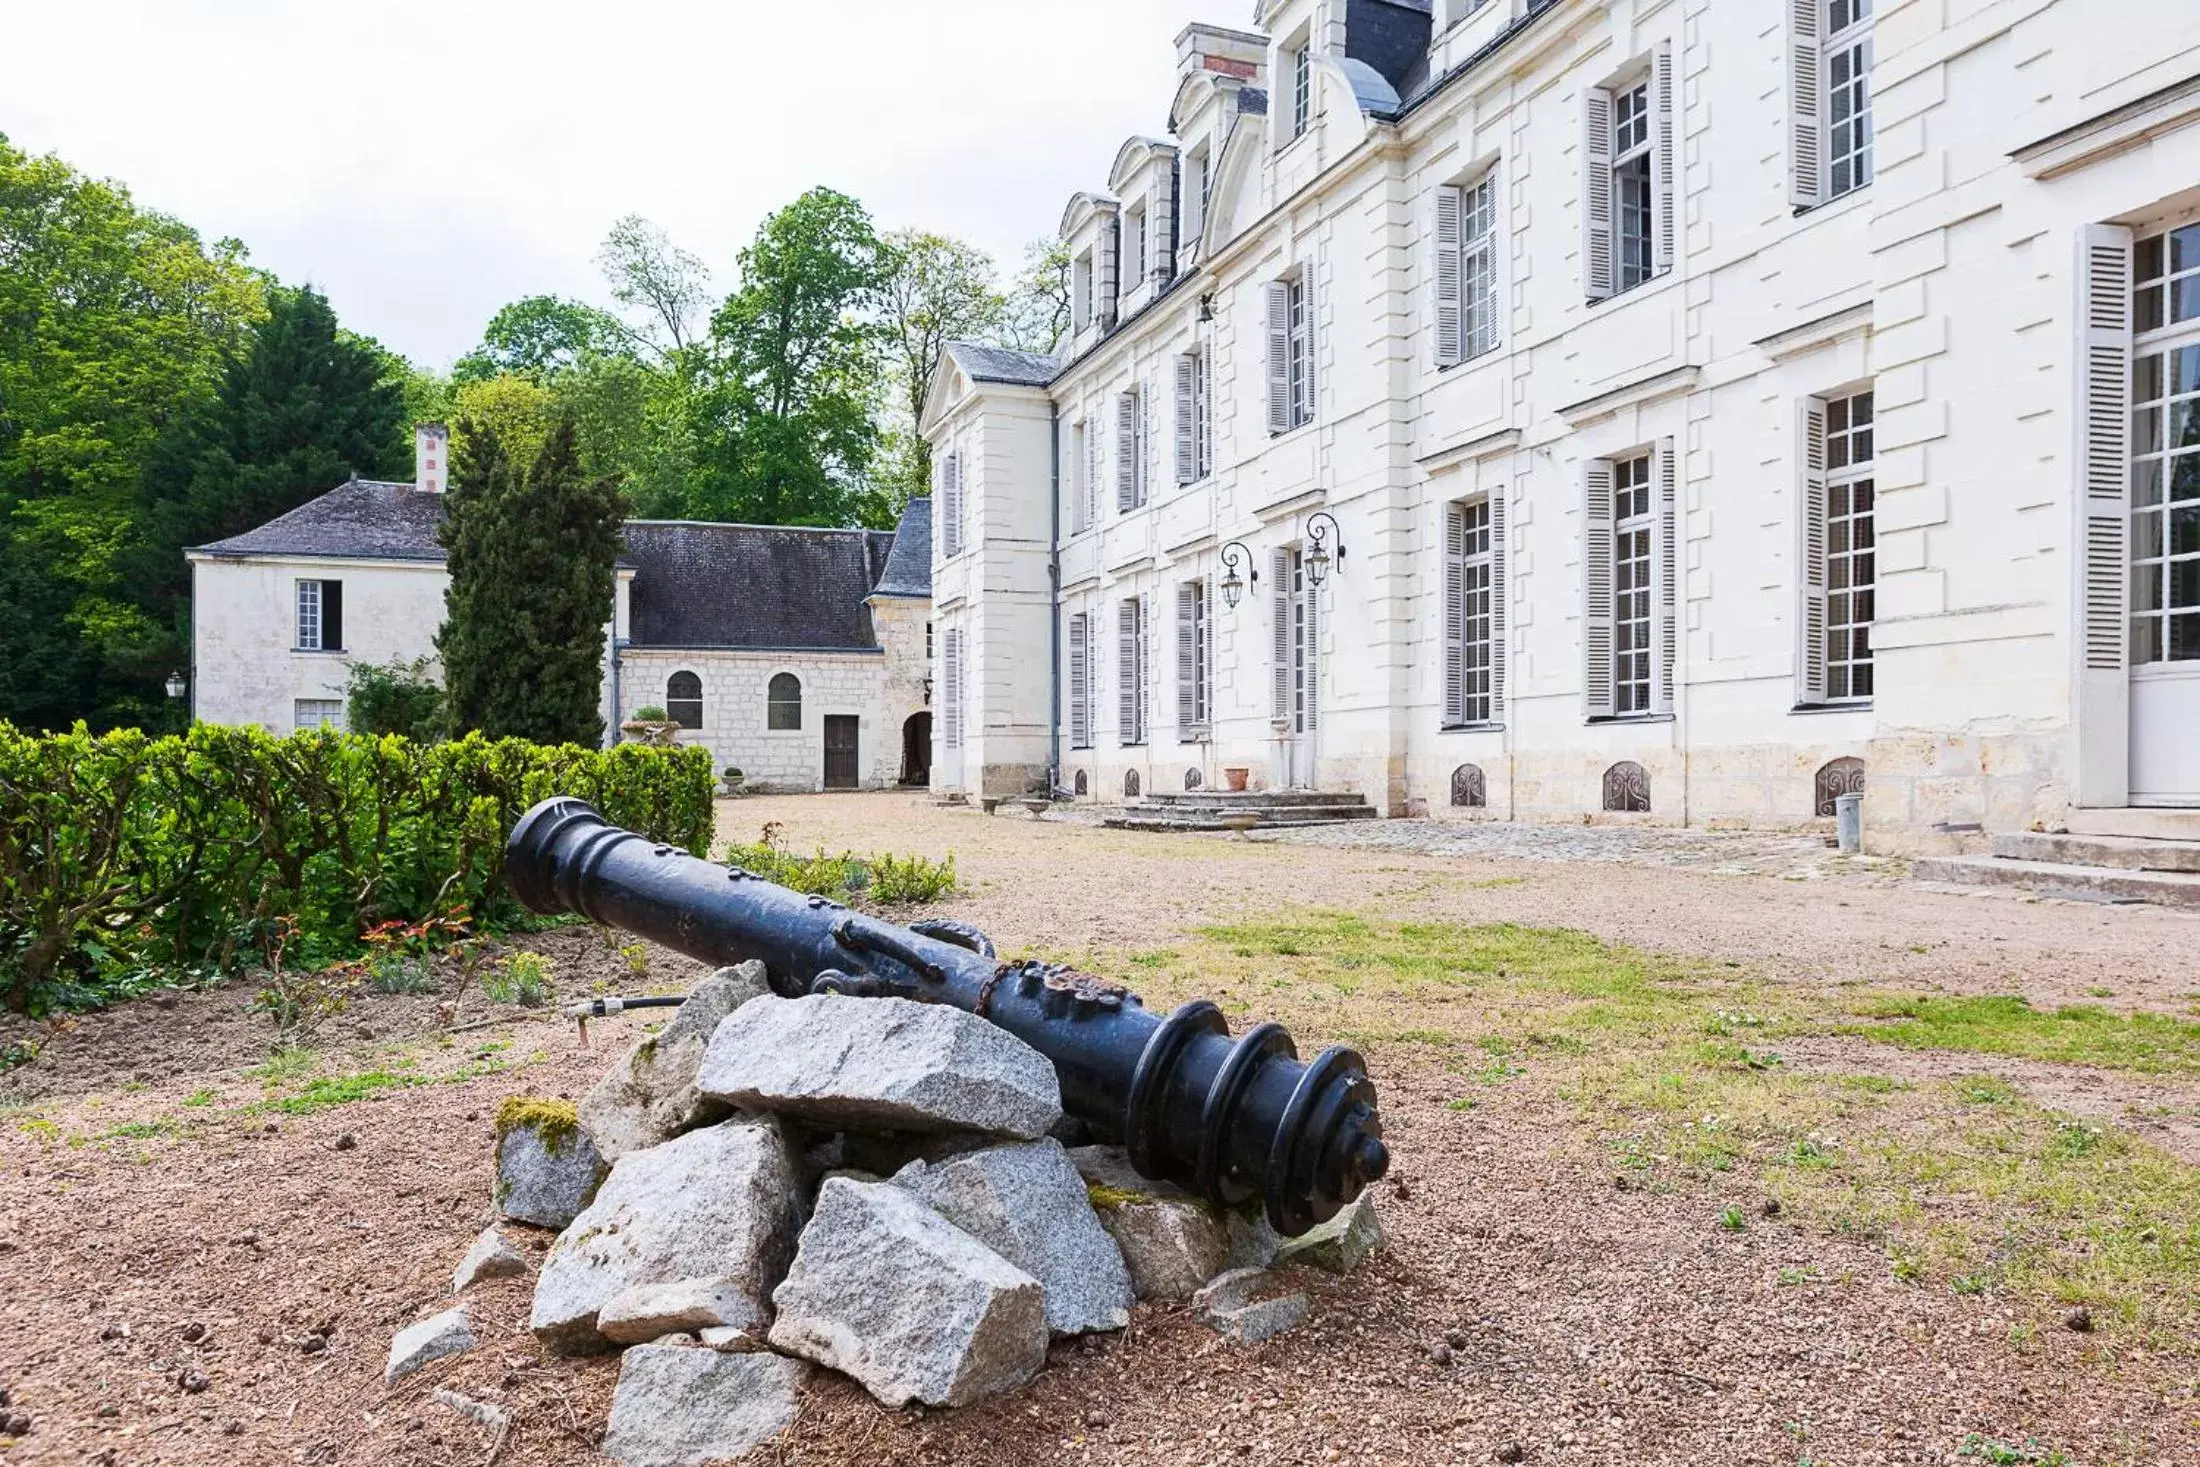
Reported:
(937, 290)
(303, 408)
(531, 552)
(650, 275)
(1038, 314)
(780, 405)
(541, 336)
(113, 322)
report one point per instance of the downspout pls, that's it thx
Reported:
(1054, 596)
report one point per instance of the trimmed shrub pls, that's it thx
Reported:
(122, 854)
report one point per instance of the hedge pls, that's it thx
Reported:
(123, 855)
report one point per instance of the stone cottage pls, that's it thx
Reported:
(799, 656)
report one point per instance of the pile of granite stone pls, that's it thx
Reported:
(873, 1186)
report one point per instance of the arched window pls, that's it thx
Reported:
(1627, 788)
(1840, 777)
(783, 702)
(1130, 783)
(684, 699)
(1468, 789)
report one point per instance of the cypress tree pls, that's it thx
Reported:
(532, 551)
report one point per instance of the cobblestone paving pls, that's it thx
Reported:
(1736, 852)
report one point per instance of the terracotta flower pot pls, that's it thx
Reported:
(1235, 779)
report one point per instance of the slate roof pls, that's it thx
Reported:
(776, 586)
(364, 519)
(909, 566)
(999, 364)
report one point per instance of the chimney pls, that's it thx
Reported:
(431, 457)
(1219, 51)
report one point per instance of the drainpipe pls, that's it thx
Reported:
(1054, 597)
(618, 647)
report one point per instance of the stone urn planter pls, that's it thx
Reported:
(732, 778)
(1234, 780)
(654, 733)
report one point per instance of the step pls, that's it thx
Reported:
(1255, 799)
(2124, 853)
(1205, 826)
(2053, 878)
(1339, 810)
(2137, 824)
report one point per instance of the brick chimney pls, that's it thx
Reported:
(1220, 51)
(431, 457)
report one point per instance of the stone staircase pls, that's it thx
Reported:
(2104, 856)
(1233, 810)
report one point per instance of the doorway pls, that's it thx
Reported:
(843, 770)
(916, 750)
(2165, 566)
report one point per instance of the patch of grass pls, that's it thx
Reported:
(142, 1131)
(1463, 1103)
(1731, 1220)
(331, 1091)
(1874, 1084)
(200, 1097)
(522, 979)
(2083, 1034)
(286, 1063)
(40, 1127)
(2005, 1454)
(1492, 883)
(1985, 1090)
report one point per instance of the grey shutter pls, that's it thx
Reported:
(951, 674)
(1126, 671)
(1308, 339)
(332, 616)
(1279, 357)
(1203, 398)
(1806, 104)
(1187, 659)
(2104, 479)
(1811, 504)
(1596, 193)
(1187, 419)
(1596, 586)
(1080, 681)
(1145, 665)
(1093, 461)
(1450, 233)
(1665, 196)
(1311, 600)
(1455, 614)
(1667, 480)
(1280, 600)
(1126, 452)
(1497, 605)
(951, 492)
(1109, 268)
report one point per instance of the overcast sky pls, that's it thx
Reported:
(426, 161)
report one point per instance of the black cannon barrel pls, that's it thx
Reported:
(1230, 1119)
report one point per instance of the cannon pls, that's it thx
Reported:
(1228, 1119)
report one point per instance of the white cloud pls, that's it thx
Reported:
(426, 161)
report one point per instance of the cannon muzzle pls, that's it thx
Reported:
(1229, 1119)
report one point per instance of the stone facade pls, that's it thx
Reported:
(1974, 283)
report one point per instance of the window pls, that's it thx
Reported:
(2165, 456)
(1631, 584)
(1130, 671)
(1080, 681)
(1466, 270)
(308, 713)
(684, 700)
(1194, 695)
(1631, 185)
(1134, 246)
(951, 505)
(1850, 547)
(1200, 189)
(1081, 303)
(1080, 514)
(320, 616)
(928, 641)
(782, 703)
(1302, 92)
(1629, 569)
(1130, 450)
(1195, 426)
(1627, 180)
(1474, 614)
(951, 674)
(1290, 354)
(1627, 788)
(1848, 95)
(1829, 99)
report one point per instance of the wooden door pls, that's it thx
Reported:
(842, 771)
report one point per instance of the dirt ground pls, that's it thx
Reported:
(203, 1260)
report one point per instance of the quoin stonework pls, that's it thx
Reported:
(1669, 410)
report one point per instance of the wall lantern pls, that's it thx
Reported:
(176, 685)
(1317, 555)
(1234, 557)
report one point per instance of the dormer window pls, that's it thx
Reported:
(1083, 307)
(1198, 188)
(1302, 91)
(1134, 247)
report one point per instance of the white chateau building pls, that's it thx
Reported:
(798, 656)
(1540, 408)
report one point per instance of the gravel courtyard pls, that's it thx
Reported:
(1710, 1150)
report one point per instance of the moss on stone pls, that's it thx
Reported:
(1107, 1199)
(554, 1122)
